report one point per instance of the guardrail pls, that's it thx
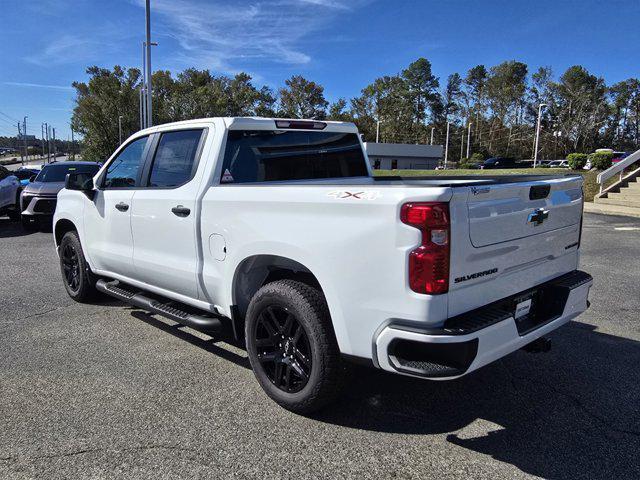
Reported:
(618, 167)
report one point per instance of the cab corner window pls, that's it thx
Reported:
(175, 157)
(122, 172)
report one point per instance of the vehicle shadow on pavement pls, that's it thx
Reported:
(208, 345)
(10, 228)
(571, 413)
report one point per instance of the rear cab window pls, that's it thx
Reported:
(275, 155)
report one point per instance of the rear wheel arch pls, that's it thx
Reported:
(258, 270)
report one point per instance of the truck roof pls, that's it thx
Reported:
(255, 123)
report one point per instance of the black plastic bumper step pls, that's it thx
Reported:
(549, 300)
(167, 309)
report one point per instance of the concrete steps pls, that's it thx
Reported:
(624, 202)
(604, 209)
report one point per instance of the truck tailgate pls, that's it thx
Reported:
(509, 237)
(502, 213)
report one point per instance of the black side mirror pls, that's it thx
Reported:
(82, 182)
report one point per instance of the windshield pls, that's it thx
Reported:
(267, 155)
(58, 173)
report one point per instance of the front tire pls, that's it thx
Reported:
(291, 345)
(77, 277)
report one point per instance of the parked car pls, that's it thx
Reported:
(275, 230)
(38, 198)
(499, 162)
(9, 194)
(25, 175)
(619, 156)
(559, 164)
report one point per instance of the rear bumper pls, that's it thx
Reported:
(474, 339)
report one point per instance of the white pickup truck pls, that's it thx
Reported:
(277, 230)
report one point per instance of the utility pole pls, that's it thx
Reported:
(54, 143)
(141, 106)
(120, 129)
(432, 129)
(46, 129)
(469, 140)
(446, 147)
(462, 145)
(535, 150)
(72, 149)
(378, 131)
(24, 137)
(143, 88)
(42, 134)
(149, 88)
(21, 152)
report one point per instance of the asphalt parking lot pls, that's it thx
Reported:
(107, 391)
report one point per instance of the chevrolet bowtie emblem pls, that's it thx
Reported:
(538, 216)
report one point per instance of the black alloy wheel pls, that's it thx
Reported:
(283, 348)
(71, 267)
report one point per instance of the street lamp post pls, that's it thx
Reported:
(535, 150)
(469, 139)
(432, 129)
(446, 147)
(378, 131)
(120, 129)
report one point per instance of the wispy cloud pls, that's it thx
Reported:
(38, 85)
(64, 49)
(226, 36)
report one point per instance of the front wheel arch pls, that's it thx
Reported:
(61, 227)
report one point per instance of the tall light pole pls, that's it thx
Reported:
(378, 131)
(120, 129)
(535, 150)
(149, 88)
(469, 139)
(462, 145)
(446, 147)
(24, 137)
(432, 129)
(46, 132)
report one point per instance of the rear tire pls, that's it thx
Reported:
(77, 277)
(292, 347)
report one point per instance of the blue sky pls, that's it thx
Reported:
(342, 44)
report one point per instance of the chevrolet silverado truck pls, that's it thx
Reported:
(277, 231)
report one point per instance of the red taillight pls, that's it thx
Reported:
(429, 263)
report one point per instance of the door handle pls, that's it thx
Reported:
(181, 211)
(123, 207)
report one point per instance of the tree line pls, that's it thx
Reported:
(496, 107)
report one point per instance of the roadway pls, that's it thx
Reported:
(37, 163)
(105, 390)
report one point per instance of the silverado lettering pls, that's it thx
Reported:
(475, 275)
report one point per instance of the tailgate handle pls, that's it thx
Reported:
(537, 192)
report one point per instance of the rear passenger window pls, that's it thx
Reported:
(174, 161)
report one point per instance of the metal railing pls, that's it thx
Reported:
(617, 168)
